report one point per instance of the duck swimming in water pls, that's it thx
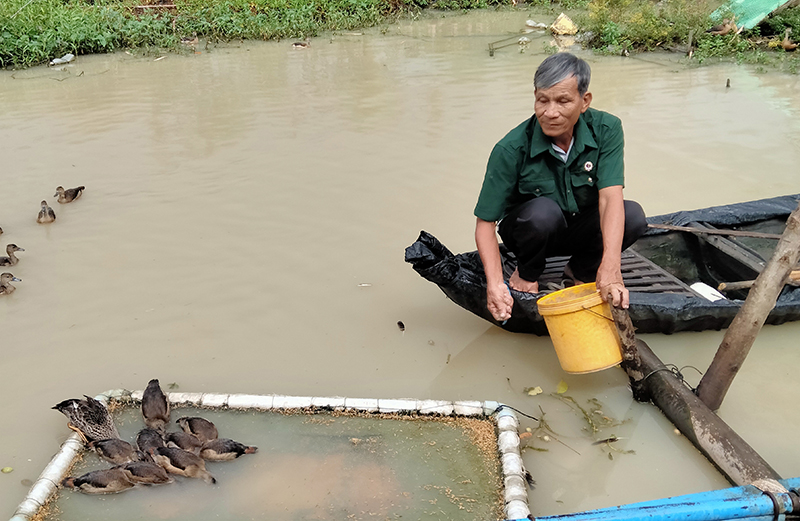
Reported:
(105, 481)
(185, 441)
(182, 463)
(5, 283)
(225, 449)
(89, 418)
(12, 259)
(155, 407)
(46, 214)
(117, 451)
(148, 439)
(69, 195)
(200, 427)
(145, 472)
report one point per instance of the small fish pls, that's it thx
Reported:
(401, 325)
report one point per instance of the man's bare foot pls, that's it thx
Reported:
(520, 284)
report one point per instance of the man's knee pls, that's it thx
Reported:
(635, 223)
(539, 217)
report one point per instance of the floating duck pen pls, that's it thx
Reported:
(318, 458)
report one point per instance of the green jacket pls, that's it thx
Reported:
(523, 165)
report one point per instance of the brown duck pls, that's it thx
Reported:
(5, 283)
(12, 259)
(149, 439)
(105, 481)
(68, 195)
(200, 427)
(46, 214)
(117, 451)
(145, 472)
(182, 463)
(155, 407)
(225, 449)
(89, 418)
(185, 441)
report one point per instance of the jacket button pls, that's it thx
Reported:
(590, 179)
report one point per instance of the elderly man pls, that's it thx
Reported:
(555, 184)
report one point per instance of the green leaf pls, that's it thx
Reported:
(562, 387)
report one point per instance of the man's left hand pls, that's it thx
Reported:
(610, 285)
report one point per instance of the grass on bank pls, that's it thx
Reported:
(35, 31)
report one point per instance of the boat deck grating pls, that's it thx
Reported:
(639, 273)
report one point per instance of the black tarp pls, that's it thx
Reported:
(462, 279)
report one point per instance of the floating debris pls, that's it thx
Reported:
(7, 470)
(562, 387)
(533, 24)
(533, 391)
(365, 285)
(563, 26)
(67, 58)
(401, 325)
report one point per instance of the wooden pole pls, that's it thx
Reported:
(652, 381)
(742, 332)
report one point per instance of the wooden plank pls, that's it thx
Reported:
(733, 248)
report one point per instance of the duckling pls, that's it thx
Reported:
(106, 481)
(200, 427)
(787, 43)
(182, 463)
(305, 44)
(5, 283)
(185, 441)
(225, 449)
(89, 418)
(155, 407)
(69, 195)
(724, 28)
(145, 472)
(46, 214)
(12, 259)
(117, 451)
(148, 439)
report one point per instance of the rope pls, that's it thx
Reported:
(676, 372)
(515, 410)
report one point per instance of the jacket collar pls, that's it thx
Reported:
(540, 143)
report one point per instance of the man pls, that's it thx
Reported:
(555, 184)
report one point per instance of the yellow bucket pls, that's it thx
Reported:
(582, 329)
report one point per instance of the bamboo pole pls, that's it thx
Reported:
(794, 279)
(652, 381)
(741, 334)
(713, 231)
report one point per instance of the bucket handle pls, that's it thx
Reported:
(598, 314)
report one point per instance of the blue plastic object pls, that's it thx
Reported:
(742, 503)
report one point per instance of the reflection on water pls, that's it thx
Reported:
(236, 199)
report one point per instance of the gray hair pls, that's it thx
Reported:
(560, 66)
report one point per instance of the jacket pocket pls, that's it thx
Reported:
(537, 186)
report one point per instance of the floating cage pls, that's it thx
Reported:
(319, 458)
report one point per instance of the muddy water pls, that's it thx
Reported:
(237, 198)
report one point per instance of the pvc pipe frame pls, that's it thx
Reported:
(516, 496)
(741, 503)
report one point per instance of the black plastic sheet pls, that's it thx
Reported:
(461, 278)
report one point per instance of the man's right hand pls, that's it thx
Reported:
(499, 301)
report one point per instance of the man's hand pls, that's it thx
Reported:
(499, 301)
(610, 285)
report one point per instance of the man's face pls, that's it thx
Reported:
(558, 107)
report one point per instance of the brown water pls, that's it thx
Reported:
(237, 198)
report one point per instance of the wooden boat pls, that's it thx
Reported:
(725, 244)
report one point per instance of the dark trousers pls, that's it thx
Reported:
(538, 229)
